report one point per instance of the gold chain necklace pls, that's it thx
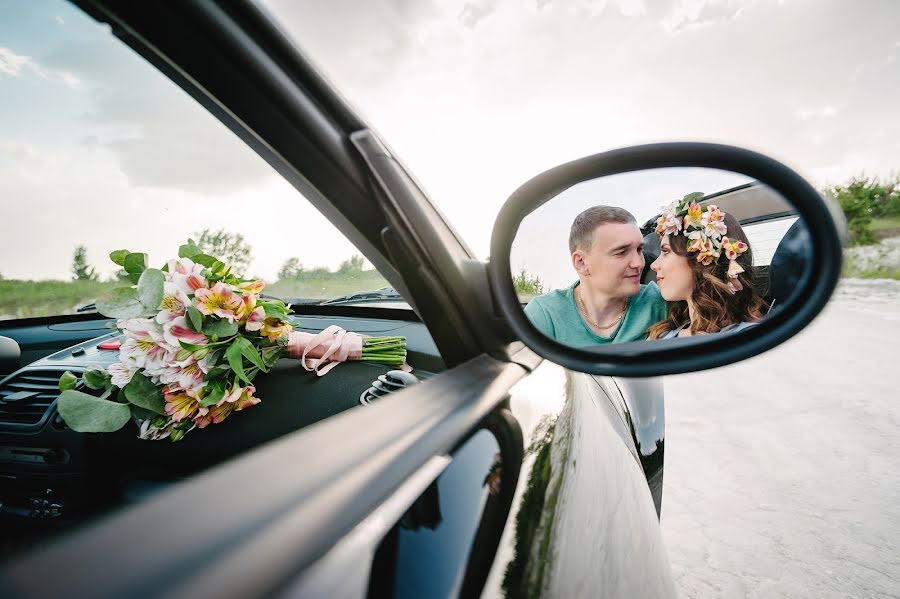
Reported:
(583, 310)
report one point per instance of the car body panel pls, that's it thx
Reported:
(583, 523)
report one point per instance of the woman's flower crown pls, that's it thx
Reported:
(706, 232)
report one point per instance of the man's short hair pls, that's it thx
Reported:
(581, 236)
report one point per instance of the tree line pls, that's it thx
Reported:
(232, 249)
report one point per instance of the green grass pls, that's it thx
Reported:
(888, 222)
(28, 299)
(877, 273)
(325, 285)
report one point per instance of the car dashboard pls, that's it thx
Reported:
(52, 477)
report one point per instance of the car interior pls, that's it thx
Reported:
(54, 476)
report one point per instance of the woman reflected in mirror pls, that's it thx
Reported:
(704, 272)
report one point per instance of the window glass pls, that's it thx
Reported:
(427, 553)
(764, 238)
(99, 151)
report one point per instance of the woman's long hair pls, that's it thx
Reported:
(715, 307)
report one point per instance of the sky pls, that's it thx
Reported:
(475, 97)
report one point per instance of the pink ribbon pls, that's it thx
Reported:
(321, 352)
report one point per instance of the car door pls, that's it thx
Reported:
(295, 514)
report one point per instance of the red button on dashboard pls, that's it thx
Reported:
(111, 344)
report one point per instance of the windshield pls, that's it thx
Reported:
(100, 152)
(478, 96)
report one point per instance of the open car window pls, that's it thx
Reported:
(102, 152)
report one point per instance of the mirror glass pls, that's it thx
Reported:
(656, 254)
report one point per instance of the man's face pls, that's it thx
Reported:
(614, 262)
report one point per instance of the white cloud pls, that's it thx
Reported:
(15, 65)
(476, 112)
(807, 113)
(11, 63)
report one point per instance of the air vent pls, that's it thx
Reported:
(388, 382)
(27, 395)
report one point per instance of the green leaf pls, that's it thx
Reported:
(118, 256)
(135, 263)
(236, 360)
(220, 328)
(139, 413)
(150, 288)
(189, 250)
(274, 310)
(67, 381)
(248, 350)
(96, 378)
(215, 394)
(195, 319)
(272, 354)
(87, 414)
(121, 302)
(144, 394)
(134, 277)
(203, 260)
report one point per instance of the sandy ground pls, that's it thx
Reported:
(783, 472)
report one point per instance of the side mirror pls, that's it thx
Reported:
(750, 254)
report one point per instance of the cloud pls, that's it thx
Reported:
(805, 114)
(473, 12)
(15, 65)
(692, 15)
(476, 111)
(160, 135)
(11, 64)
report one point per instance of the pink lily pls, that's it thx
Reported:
(175, 302)
(220, 300)
(176, 330)
(255, 319)
(179, 405)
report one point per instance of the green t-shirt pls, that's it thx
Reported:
(556, 315)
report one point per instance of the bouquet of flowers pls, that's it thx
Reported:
(195, 336)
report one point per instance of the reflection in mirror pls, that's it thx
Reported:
(657, 254)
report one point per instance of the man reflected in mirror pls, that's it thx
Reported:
(607, 304)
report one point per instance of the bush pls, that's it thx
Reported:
(863, 199)
(527, 284)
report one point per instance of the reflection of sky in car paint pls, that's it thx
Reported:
(542, 243)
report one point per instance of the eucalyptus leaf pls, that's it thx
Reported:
(67, 381)
(219, 328)
(139, 413)
(121, 302)
(143, 393)
(195, 319)
(118, 256)
(150, 288)
(134, 277)
(85, 413)
(96, 378)
(135, 263)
